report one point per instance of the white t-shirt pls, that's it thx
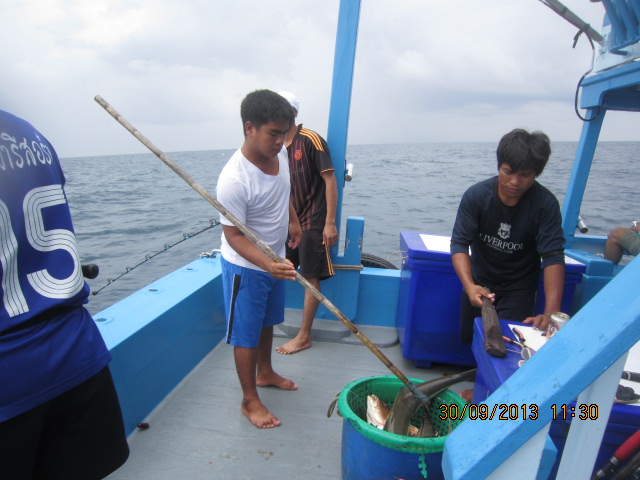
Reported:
(258, 200)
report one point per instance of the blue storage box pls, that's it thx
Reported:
(492, 372)
(428, 314)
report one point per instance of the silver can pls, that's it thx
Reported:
(558, 320)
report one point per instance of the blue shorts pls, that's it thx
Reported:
(253, 300)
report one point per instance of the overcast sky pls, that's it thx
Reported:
(426, 70)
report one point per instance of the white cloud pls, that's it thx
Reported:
(437, 70)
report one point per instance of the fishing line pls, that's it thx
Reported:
(185, 236)
(247, 232)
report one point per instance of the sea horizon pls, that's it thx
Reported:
(133, 205)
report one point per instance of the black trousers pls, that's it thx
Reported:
(78, 435)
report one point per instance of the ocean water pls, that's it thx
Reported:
(128, 207)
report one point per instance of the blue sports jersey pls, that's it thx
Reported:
(48, 340)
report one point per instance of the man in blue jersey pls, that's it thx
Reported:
(510, 222)
(59, 412)
(314, 195)
(254, 186)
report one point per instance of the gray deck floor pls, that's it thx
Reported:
(198, 432)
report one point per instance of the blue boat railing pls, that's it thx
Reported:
(584, 360)
(623, 15)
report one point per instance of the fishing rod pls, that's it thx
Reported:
(167, 246)
(262, 246)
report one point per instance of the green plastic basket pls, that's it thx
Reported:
(352, 403)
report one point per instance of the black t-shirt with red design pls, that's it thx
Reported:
(309, 158)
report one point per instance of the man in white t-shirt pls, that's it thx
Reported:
(254, 186)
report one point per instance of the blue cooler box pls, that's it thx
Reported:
(492, 372)
(428, 314)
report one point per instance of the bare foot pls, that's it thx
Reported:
(275, 380)
(258, 414)
(293, 346)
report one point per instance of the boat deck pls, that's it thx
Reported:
(199, 432)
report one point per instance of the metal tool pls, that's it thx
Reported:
(526, 351)
(512, 341)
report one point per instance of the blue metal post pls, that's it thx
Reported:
(580, 172)
(343, 64)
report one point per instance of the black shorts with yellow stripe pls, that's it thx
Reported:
(312, 256)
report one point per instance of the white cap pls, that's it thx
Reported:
(292, 99)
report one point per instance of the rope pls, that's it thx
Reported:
(422, 464)
(593, 56)
(348, 267)
(185, 236)
(398, 255)
(585, 28)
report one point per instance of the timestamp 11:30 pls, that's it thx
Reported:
(483, 411)
(582, 412)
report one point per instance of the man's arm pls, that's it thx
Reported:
(295, 231)
(330, 233)
(553, 287)
(462, 266)
(253, 254)
(550, 246)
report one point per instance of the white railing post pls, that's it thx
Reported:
(526, 460)
(585, 436)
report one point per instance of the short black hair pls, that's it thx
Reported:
(264, 106)
(522, 150)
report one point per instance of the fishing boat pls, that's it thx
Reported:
(176, 377)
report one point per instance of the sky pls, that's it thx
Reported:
(426, 70)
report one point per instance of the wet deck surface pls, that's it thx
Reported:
(200, 433)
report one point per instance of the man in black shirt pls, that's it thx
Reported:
(513, 225)
(314, 195)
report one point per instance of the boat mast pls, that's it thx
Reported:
(343, 64)
(615, 85)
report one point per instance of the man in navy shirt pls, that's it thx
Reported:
(59, 412)
(512, 225)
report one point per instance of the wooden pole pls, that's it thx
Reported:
(262, 246)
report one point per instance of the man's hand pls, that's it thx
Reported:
(295, 230)
(281, 271)
(329, 234)
(541, 322)
(476, 293)
(295, 234)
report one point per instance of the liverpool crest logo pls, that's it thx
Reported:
(504, 231)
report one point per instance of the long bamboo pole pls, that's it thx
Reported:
(262, 246)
